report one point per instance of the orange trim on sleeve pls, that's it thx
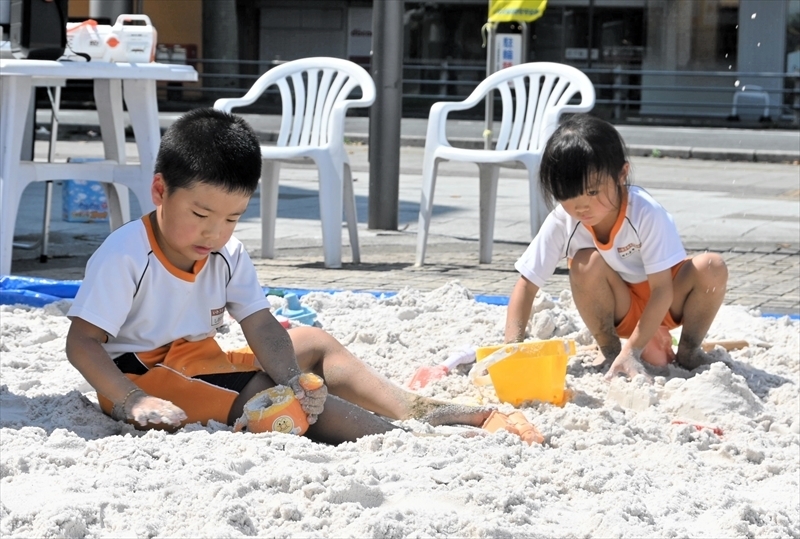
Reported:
(175, 271)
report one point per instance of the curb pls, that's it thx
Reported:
(715, 154)
(639, 150)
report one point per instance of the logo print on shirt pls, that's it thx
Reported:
(628, 250)
(216, 316)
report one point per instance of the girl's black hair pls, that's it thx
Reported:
(212, 147)
(581, 147)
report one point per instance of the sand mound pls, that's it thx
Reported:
(707, 454)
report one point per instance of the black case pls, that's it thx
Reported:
(38, 29)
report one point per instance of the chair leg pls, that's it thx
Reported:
(331, 201)
(270, 171)
(15, 95)
(10, 196)
(429, 167)
(118, 203)
(489, 175)
(351, 213)
(108, 98)
(539, 209)
(55, 103)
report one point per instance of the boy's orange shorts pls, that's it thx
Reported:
(197, 376)
(640, 295)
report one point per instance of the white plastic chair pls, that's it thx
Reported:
(312, 126)
(541, 93)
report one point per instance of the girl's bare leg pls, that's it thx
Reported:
(699, 290)
(602, 299)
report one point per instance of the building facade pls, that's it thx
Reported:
(648, 58)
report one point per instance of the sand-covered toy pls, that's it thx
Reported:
(274, 409)
(515, 423)
(296, 312)
(427, 374)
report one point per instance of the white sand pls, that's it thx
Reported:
(613, 464)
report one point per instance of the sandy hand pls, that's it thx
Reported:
(311, 391)
(628, 364)
(152, 410)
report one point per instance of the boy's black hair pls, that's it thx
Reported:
(212, 147)
(580, 147)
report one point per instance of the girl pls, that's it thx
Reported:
(628, 270)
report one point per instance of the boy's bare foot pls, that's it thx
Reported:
(694, 358)
(447, 413)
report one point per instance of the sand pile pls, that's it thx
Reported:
(621, 459)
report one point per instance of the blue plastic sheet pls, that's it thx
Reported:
(37, 292)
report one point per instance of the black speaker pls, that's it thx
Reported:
(38, 29)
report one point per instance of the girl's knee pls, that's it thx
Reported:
(587, 264)
(711, 267)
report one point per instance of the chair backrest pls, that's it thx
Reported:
(315, 95)
(542, 92)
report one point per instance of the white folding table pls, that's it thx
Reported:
(113, 83)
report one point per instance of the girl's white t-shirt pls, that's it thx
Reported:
(644, 240)
(133, 293)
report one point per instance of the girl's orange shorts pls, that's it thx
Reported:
(640, 294)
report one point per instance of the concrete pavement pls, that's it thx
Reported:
(749, 212)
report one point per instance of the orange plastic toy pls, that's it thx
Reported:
(515, 423)
(274, 409)
(527, 371)
(310, 381)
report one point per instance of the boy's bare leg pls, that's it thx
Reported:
(356, 382)
(340, 422)
(699, 290)
(355, 391)
(602, 298)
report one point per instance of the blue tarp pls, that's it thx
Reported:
(38, 292)
(35, 291)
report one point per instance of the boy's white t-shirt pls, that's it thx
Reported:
(644, 240)
(133, 293)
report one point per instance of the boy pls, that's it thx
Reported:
(144, 319)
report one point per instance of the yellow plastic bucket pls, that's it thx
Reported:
(533, 371)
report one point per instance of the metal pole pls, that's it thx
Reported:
(55, 105)
(617, 92)
(591, 34)
(491, 53)
(385, 114)
(526, 42)
(220, 42)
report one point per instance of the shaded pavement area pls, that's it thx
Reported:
(748, 211)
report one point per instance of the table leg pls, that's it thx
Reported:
(142, 100)
(15, 96)
(108, 99)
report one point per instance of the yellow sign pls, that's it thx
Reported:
(516, 10)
